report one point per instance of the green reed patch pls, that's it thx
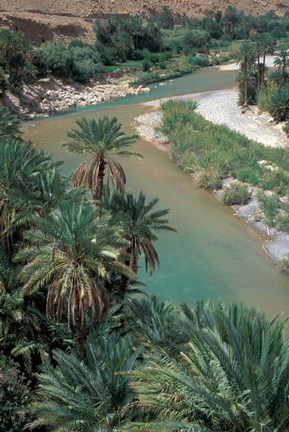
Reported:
(200, 146)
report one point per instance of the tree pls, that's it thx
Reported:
(264, 46)
(9, 125)
(103, 139)
(141, 224)
(16, 54)
(245, 56)
(73, 254)
(29, 184)
(282, 59)
(166, 19)
(231, 376)
(230, 19)
(89, 391)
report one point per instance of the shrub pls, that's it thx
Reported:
(278, 105)
(14, 398)
(195, 39)
(236, 193)
(83, 70)
(270, 206)
(146, 65)
(209, 178)
(263, 97)
(201, 61)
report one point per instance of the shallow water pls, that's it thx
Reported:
(213, 255)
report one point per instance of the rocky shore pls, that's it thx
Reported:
(49, 95)
(220, 107)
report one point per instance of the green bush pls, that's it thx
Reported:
(270, 205)
(283, 223)
(199, 60)
(15, 398)
(146, 65)
(236, 193)
(263, 97)
(209, 178)
(278, 104)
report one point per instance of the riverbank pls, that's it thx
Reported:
(49, 95)
(221, 108)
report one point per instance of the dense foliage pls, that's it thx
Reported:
(134, 44)
(78, 351)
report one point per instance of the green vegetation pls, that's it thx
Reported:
(151, 49)
(79, 352)
(211, 153)
(198, 145)
(236, 193)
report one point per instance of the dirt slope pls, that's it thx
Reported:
(46, 19)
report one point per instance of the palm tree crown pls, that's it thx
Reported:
(140, 224)
(73, 253)
(103, 139)
(231, 376)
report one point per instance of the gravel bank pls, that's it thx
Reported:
(221, 107)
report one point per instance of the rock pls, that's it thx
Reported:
(44, 81)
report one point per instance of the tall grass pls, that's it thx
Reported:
(199, 145)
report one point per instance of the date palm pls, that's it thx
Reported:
(103, 139)
(231, 376)
(245, 56)
(282, 59)
(9, 125)
(141, 223)
(88, 392)
(73, 254)
(30, 183)
(265, 45)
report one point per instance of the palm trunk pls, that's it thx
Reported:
(263, 71)
(79, 324)
(245, 104)
(124, 279)
(259, 72)
(99, 188)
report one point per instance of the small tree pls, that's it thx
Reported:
(166, 19)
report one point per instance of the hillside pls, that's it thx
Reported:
(42, 20)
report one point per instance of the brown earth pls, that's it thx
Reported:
(43, 20)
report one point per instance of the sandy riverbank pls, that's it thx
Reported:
(220, 107)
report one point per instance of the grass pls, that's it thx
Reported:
(214, 152)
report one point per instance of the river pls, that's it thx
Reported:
(214, 255)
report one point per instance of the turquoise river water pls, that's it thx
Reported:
(213, 255)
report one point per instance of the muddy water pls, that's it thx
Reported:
(213, 255)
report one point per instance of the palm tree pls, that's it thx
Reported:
(141, 223)
(282, 59)
(245, 56)
(103, 139)
(264, 46)
(231, 376)
(30, 184)
(73, 254)
(90, 392)
(9, 125)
